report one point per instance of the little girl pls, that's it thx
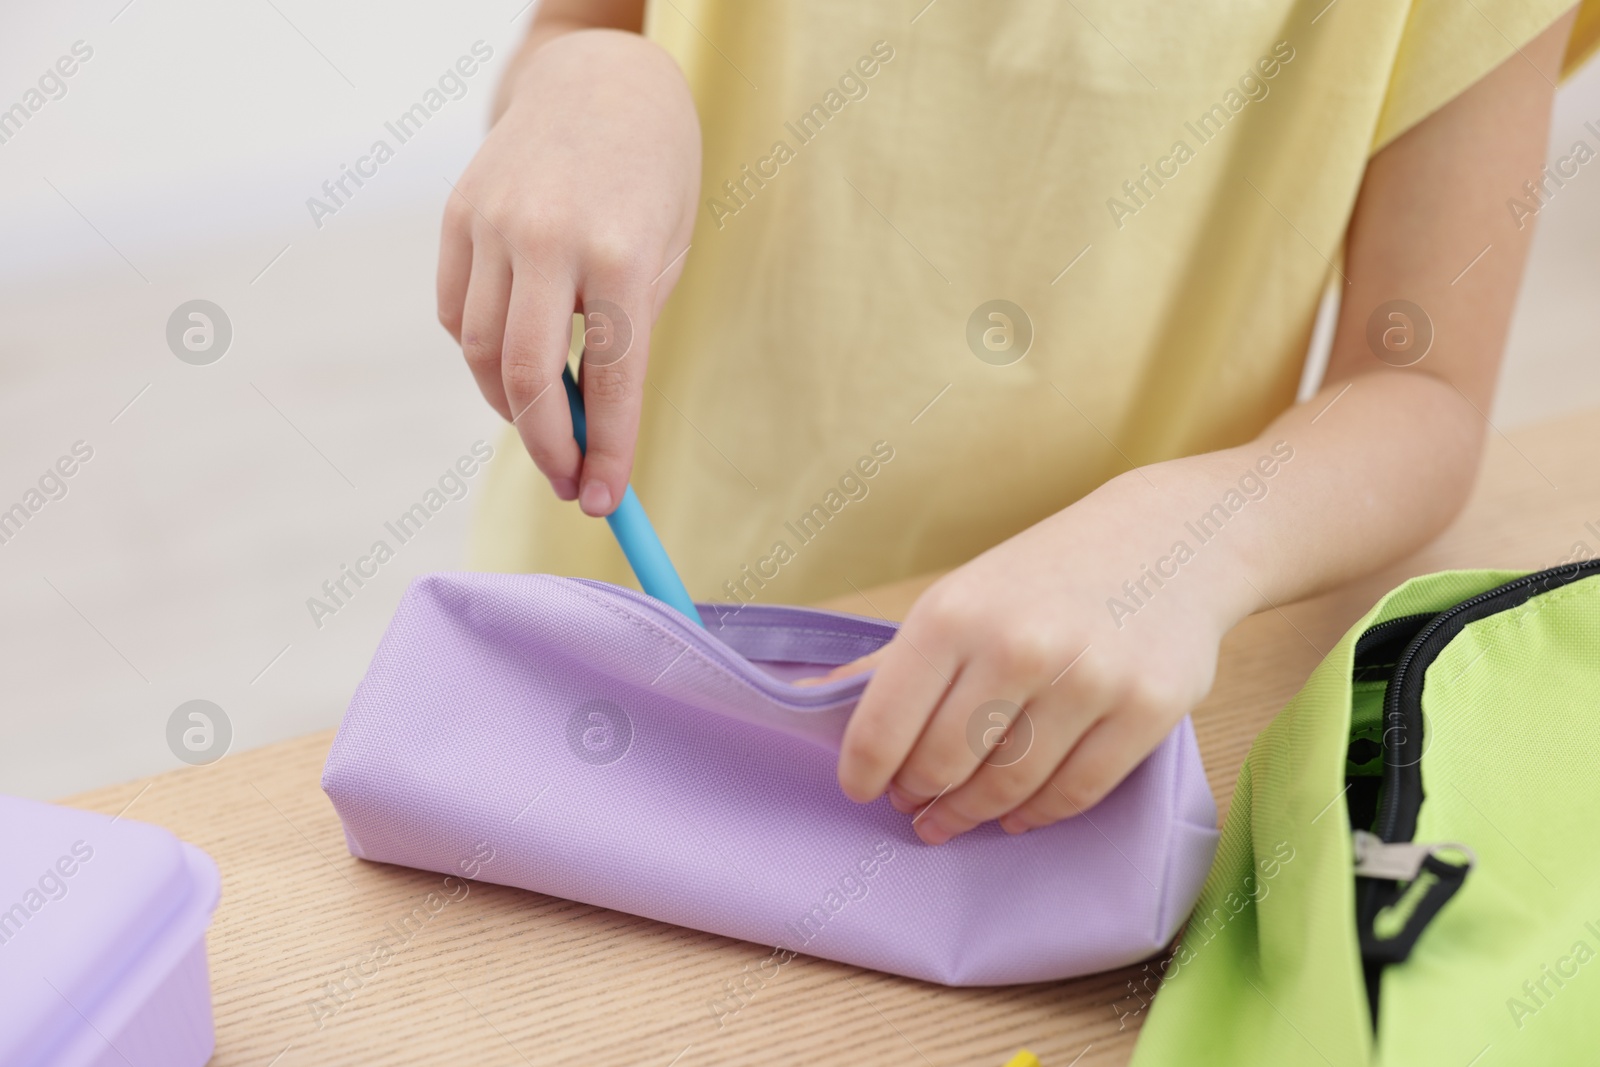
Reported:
(1062, 262)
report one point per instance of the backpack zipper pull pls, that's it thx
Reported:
(1400, 861)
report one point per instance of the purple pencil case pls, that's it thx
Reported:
(582, 740)
(102, 941)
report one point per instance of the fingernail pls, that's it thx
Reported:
(1014, 824)
(566, 488)
(932, 832)
(905, 800)
(596, 497)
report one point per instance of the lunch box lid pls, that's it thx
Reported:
(95, 912)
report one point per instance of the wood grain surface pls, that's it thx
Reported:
(504, 977)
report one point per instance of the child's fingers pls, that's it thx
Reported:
(891, 714)
(1014, 772)
(538, 334)
(972, 715)
(455, 268)
(1108, 752)
(616, 334)
(902, 803)
(483, 323)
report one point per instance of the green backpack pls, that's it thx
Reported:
(1410, 869)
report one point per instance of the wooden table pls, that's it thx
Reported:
(507, 977)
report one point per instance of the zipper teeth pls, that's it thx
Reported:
(1377, 634)
(1389, 809)
(1392, 624)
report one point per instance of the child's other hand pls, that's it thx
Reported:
(585, 190)
(1383, 473)
(1027, 625)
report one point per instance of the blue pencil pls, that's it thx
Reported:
(631, 526)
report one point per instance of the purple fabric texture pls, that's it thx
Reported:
(579, 739)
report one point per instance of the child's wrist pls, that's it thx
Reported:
(1213, 508)
(1250, 552)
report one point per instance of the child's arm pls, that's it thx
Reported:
(585, 190)
(1382, 459)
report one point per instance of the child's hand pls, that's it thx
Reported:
(1384, 456)
(585, 190)
(1027, 624)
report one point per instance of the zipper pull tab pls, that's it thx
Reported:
(1401, 861)
(1422, 878)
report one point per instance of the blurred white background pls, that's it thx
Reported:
(179, 564)
(177, 166)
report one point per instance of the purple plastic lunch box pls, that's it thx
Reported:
(102, 941)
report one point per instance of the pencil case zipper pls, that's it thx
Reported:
(713, 648)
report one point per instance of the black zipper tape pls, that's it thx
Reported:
(1402, 703)
(1379, 649)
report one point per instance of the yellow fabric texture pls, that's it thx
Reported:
(1158, 186)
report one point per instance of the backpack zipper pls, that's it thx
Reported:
(1402, 795)
(1399, 861)
(1401, 884)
